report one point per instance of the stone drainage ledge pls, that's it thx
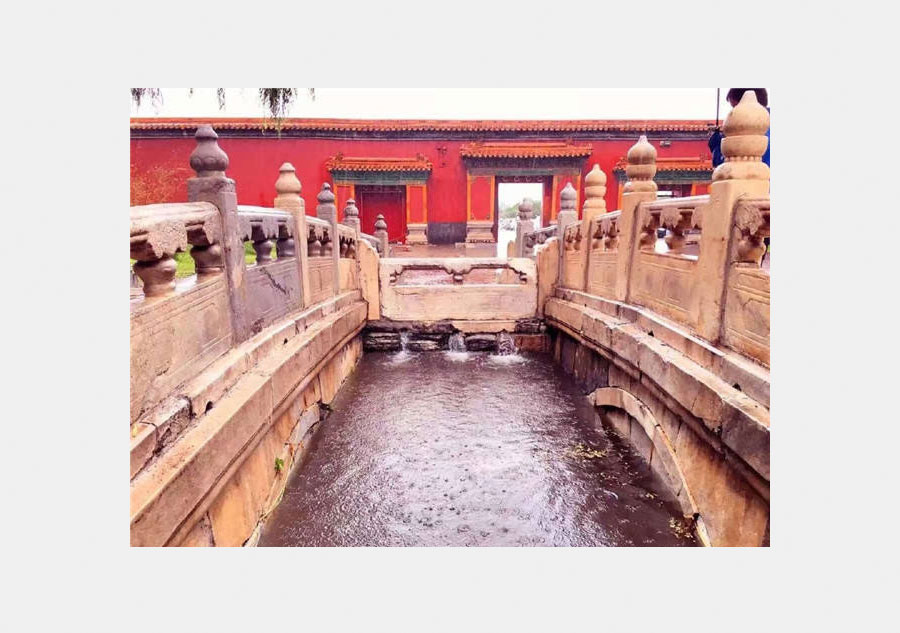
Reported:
(747, 375)
(385, 335)
(740, 422)
(235, 409)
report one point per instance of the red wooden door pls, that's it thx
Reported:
(389, 201)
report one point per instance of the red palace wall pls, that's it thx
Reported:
(254, 164)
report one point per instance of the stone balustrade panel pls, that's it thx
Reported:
(320, 245)
(604, 251)
(533, 239)
(458, 288)
(574, 249)
(348, 269)
(272, 284)
(746, 319)
(665, 280)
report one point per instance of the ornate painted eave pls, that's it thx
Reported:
(674, 169)
(698, 163)
(340, 163)
(524, 150)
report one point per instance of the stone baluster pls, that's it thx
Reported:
(155, 265)
(327, 210)
(263, 245)
(743, 174)
(568, 215)
(524, 225)
(314, 241)
(640, 187)
(351, 216)
(287, 198)
(327, 249)
(381, 234)
(213, 186)
(285, 245)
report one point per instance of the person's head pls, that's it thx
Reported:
(734, 96)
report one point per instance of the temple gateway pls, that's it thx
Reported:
(434, 182)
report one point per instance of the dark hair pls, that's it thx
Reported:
(735, 94)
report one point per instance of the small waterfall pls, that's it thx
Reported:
(506, 345)
(456, 347)
(457, 342)
(403, 355)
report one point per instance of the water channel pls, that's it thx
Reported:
(464, 449)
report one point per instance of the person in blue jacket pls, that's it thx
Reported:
(715, 140)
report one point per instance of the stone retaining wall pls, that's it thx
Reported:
(259, 403)
(705, 437)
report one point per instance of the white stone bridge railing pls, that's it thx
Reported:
(671, 299)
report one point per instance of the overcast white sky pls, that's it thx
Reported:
(452, 103)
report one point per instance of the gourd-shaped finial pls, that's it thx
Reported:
(641, 167)
(594, 192)
(287, 182)
(326, 209)
(745, 141)
(208, 159)
(567, 199)
(526, 209)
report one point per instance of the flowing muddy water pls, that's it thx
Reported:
(456, 448)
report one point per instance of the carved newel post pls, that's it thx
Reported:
(213, 186)
(743, 174)
(567, 216)
(594, 194)
(524, 225)
(640, 187)
(327, 210)
(287, 198)
(381, 234)
(351, 215)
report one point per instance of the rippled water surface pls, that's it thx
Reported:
(469, 449)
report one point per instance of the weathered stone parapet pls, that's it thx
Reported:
(742, 175)
(479, 289)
